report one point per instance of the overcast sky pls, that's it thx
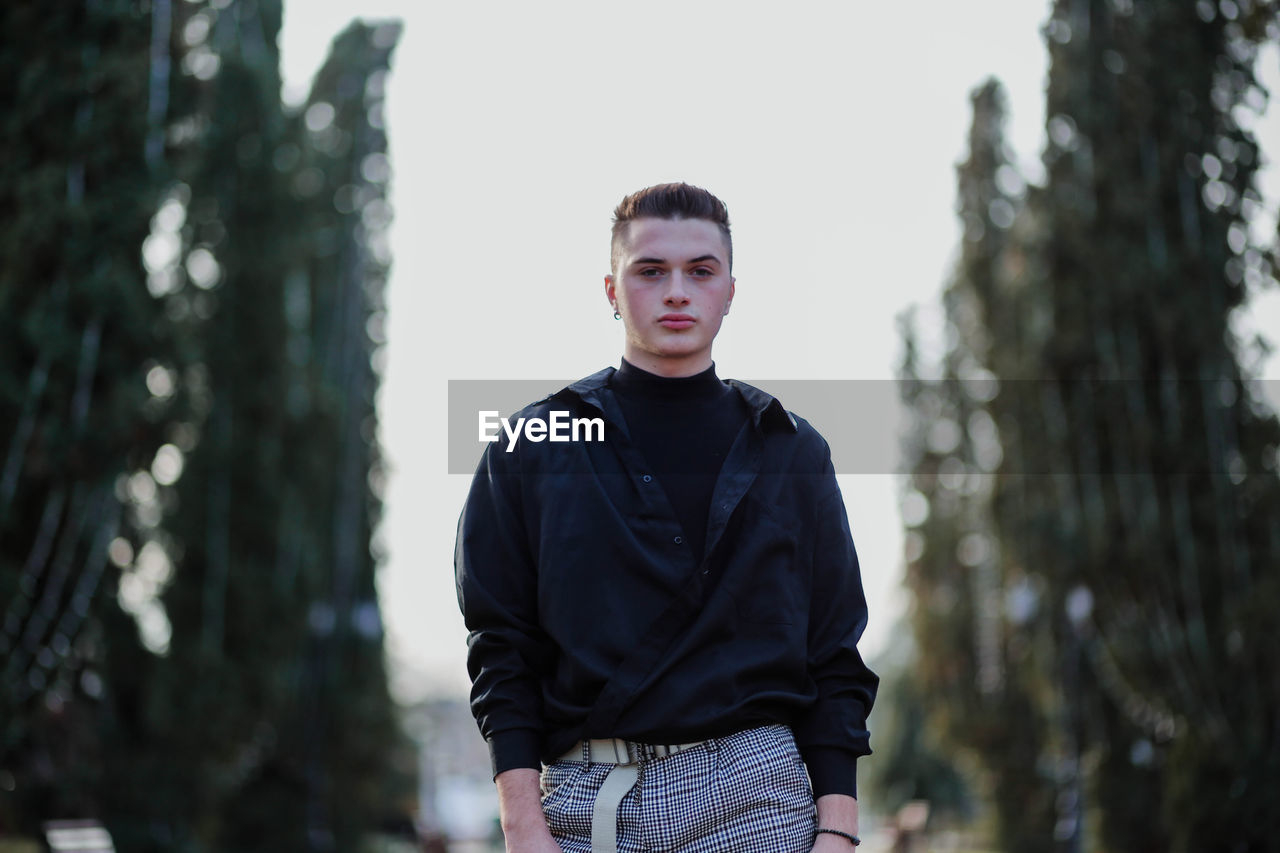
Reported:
(832, 131)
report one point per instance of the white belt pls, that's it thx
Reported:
(626, 756)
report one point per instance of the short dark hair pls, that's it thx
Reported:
(669, 201)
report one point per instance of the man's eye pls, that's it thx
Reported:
(702, 272)
(650, 272)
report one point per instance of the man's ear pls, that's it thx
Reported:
(733, 282)
(610, 290)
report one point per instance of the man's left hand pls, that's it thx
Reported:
(836, 811)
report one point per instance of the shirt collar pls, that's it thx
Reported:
(766, 410)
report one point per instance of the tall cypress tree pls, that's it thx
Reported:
(218, 697)
(1171, 461)
(277, 636)
(194, 296)
(335, 312)
(82, 405)
(1138, 490)
(977, 662)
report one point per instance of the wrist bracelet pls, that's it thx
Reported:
(853, 839)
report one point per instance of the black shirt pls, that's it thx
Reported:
(589, 616)
(683, 427)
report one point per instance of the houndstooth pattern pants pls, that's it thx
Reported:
(746, 792)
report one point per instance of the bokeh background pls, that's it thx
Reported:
(246, 245)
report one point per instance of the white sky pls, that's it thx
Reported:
(831, 130)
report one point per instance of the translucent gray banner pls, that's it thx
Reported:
(1093, 426)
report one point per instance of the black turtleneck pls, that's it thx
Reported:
(684, 428)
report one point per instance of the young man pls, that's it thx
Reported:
(664, 624)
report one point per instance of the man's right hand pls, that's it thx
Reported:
(520, 809)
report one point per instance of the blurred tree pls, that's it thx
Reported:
(911, 765)
(976, 666)
(1173, 513)
(1137, 505)
(84, 385)
(243, 696)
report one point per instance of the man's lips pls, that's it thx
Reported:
(676, 321)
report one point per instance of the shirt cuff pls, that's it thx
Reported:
(832, 771)
(515, 748)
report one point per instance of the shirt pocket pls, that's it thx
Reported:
(763, 571)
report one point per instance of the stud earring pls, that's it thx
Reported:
(616, 315)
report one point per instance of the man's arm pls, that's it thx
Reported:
(497, 593)
(520, 810)
(832, 734)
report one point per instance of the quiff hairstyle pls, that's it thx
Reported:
(668, 201)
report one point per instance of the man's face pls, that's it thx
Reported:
(672, 287)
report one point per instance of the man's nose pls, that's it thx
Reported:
(676, 290)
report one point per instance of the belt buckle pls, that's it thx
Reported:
(637, 752)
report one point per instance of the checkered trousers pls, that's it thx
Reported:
(746, 792)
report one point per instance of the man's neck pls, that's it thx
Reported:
(632, 381)
(670, 368)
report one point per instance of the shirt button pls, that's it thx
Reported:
(647, 478)
(679, 540)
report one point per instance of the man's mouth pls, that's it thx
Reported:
(676, 321)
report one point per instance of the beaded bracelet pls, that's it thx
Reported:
(853, 839)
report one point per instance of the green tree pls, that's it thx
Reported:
(977, 665)
(1137, 492)
(193, 397)
(1171, 460)
(81, 408)
(276, 645)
